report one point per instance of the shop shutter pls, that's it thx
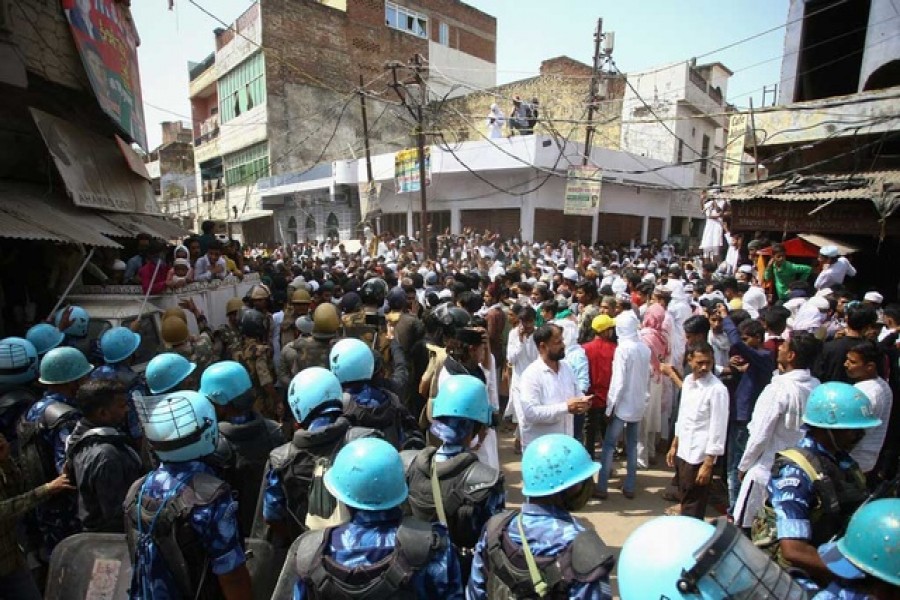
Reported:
(505, 221)
(618, 229)
(553, 225)
(655, 229)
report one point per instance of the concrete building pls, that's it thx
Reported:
(561, 89)
(836, 48)
(264, 104)
(689, 100)
(632, 207)
(171, 169)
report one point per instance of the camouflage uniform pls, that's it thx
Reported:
(355, 326)
(228, 341)
(199, 351)
(303, 353)
(257, 359)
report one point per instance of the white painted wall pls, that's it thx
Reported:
(244, 130)
(451, 67)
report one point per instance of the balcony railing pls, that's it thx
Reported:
(209, 129)
(713, 92)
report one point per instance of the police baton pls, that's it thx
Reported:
(71, 283)
(149, 288)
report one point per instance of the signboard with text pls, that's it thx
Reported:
(107, 41)
(583, 186)
(406, 169)
(850, 217)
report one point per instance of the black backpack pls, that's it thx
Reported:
(36, 458)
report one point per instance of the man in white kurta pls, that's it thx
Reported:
(549, 393)
(775, 423)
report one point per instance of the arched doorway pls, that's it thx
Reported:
(310, 228)
(292, 230)
(332, 225)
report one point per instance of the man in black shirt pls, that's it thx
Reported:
(860, 325)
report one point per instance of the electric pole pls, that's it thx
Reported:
(370, 179)
(600, 56)
(417, 112)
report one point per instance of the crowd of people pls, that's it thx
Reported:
(351, 406)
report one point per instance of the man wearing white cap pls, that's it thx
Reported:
(834, 268)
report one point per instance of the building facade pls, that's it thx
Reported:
(265, 105)
(635, 208)
(171, 169)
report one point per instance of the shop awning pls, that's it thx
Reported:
(157, 227)
(821, 240)
(28, 212)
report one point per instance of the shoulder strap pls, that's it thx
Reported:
(418, 541)
(591, 558)
(796, 456)
(58, 413)
(309, 553)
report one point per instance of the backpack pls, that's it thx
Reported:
(36, 459)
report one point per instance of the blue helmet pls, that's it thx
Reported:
(79, 318)
(179, 426)
(682, 557)
(312, 388)
(118, 343)
(463, 396)
(367, 474)
(166, 371)
(45, 337)
(352, 360)
(838, 405)
(18, 361)
(64, 365)
(553, 463)
(870, 544)
(225, 381)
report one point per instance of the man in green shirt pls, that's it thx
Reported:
(784, 272)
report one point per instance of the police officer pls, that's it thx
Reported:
(816, 486)
(686, 558)
(256, 356)
(387, 555)
(42, 441)
(227, 339)
(369, 322)
(178, 339)
(101, 460)
(469, 492)
(181, 520)
(299, 307)
(45, 337)
(368, 405)
(18, 373)
(246, 437)
(543, 549)
(73, 322)
(865, 561)
(169, 372)
(117, 346)
(314, 398)
(310, 351)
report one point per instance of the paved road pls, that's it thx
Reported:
(614, 518)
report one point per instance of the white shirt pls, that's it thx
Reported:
(881, 399)
(702, 419)
(520, 354)
(542, 406)
(629, 386)
(776, 421)
(834, 274)
(203, 269)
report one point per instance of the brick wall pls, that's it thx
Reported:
(562, 91)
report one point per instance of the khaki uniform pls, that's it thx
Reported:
(303, 353)
(198, 351)
(355, 326)
(257, 359)
(228, 341)
(289, 332)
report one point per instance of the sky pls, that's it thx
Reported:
(648, 33)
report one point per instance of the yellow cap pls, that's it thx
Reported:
(602, 323)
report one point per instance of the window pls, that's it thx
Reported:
(310, 228)
(680, 151)
(242, 88)
(245, 166)
(332, 226)
(444, 34)
(704, 154)
(404, 19)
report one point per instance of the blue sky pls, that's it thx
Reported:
(648, 33)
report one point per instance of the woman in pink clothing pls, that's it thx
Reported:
(656, 338)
